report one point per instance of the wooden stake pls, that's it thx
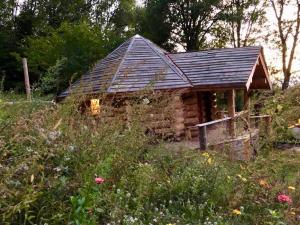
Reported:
(26, 79)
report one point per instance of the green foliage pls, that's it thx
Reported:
(49, 81)
(64, 55)
(284, 107)
(156, 12)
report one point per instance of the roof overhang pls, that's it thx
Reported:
(259, 77)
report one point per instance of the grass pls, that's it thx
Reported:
(51, 154)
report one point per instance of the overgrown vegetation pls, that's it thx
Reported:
(284, 107)
(58, 166)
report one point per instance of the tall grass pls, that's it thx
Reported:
(51, 154)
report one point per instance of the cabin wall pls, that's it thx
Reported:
(174, 115)
(192, 113)
(164, 117)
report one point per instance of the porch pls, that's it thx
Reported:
(237, 132)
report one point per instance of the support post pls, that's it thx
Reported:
(203, 138)
(247, 106)
(267, 125)
(213, 99)
(231, 111)
(26, 79)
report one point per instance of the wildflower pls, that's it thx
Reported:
(146, 101)
(99, 180)
(282, 198)
(205, 154)
(292, 188)
(32, 178)
(236, 212)
(263, 183)
(209, 161)
(293, 213)
(242, 178)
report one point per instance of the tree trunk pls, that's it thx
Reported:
(286, 81)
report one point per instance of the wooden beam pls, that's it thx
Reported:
(26, 79)
(231, 111)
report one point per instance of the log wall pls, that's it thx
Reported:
(173, 118)
(192, 113)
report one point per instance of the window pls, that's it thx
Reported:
(95, 107)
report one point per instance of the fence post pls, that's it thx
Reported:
(267, 125)
(203, 138)
(26, 79)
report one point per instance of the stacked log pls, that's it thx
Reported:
(191, 114)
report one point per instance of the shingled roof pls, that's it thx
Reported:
(134, 65)
(139, 63)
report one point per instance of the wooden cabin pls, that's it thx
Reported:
(193, 80)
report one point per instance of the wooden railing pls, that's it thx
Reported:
(202, 128)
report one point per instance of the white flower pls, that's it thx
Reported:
(146, 101)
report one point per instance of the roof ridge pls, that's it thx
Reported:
(179, 69)
(217, 49)
(132, 39)
(171, 65)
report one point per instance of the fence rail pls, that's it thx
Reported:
(202, 128)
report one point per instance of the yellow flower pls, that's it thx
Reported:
(236, 212)
(205, 154)
(209, 161)
(292, 188)
(244, 179)
(293, 213)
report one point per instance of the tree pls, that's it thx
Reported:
(147, 19)
(244, 20)
(287, 32)
(193, 20)
(63, 55)
(7, 41)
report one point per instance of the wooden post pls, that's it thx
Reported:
(231, 111)
(267, 125)
(247, 106)
(203, 138)
(26, 79)
(213, 99)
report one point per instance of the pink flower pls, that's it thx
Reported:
(282, 198)
(99, 180)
